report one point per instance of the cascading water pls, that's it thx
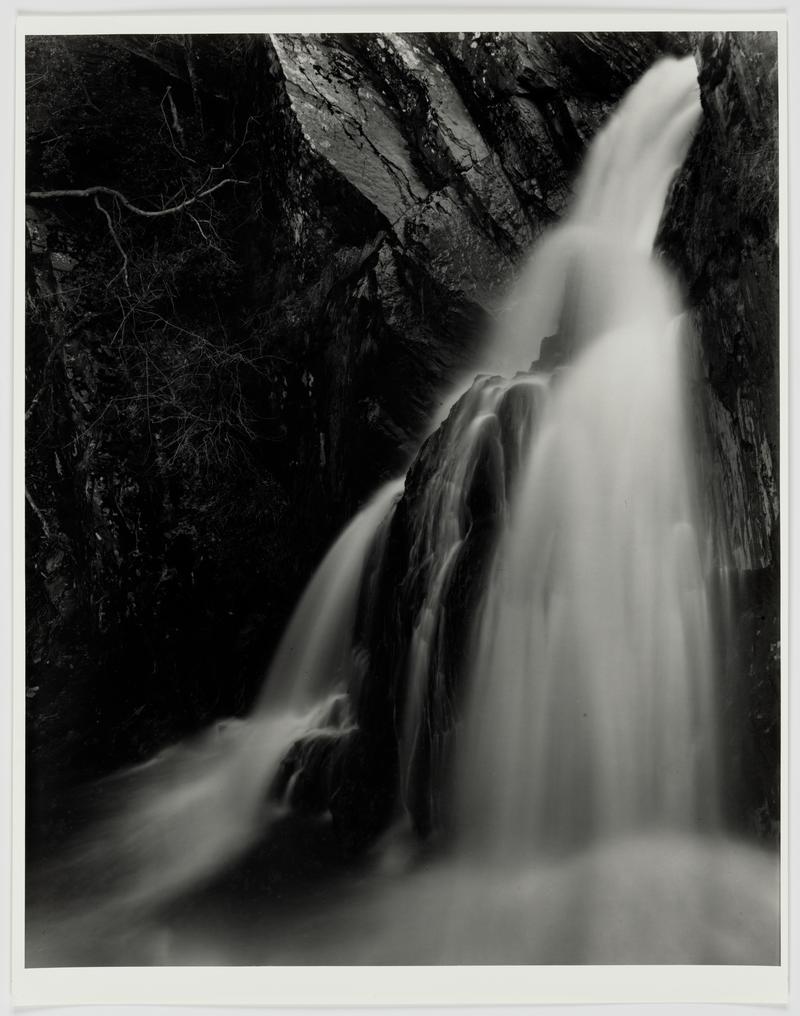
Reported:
(444, 521)
(589, 708)
(200, 804)
(593, 654)
(560, 722)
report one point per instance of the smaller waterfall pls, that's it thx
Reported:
(315, 652)
(197, 805)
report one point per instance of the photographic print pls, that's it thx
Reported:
(402, 499)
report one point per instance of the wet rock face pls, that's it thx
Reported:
(721, 230)
(435, 160)
(420, 594)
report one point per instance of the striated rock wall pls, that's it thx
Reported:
(413, 174)
(721, 232)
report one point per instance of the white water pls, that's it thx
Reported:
(594, 649)
(442, 526)
(198, 805)
(596, 265)
(585, 783)
(590, 710)
(314, 654)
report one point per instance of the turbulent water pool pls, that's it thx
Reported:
(655, 899)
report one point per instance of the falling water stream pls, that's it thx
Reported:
(594, 647)
(582, 798)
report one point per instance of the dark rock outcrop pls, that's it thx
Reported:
(721, 232)
(436, 160)
(421, 592)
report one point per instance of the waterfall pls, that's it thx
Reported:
(532, 613)
(314, 654)
(588, 708)
(589, 268)
(593, 650)
(198, 805)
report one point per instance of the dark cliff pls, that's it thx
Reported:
(721, 233)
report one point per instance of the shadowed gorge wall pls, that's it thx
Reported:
(721, 232)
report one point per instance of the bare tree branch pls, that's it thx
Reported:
(37, 512)
(235, 152)
(88, 192)
(191, 69)
(115, 238)
(43, 387)
(197, 223)
(176, 123)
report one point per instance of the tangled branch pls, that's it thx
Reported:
(37, 512)
(90, 192)
(115, 238)
(176, 124)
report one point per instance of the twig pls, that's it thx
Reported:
(45, 383)
(88, 192)
(197, 223)
(191, 70)
(37, 512)
(176, 124)
(239, 147)
(119, 246)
